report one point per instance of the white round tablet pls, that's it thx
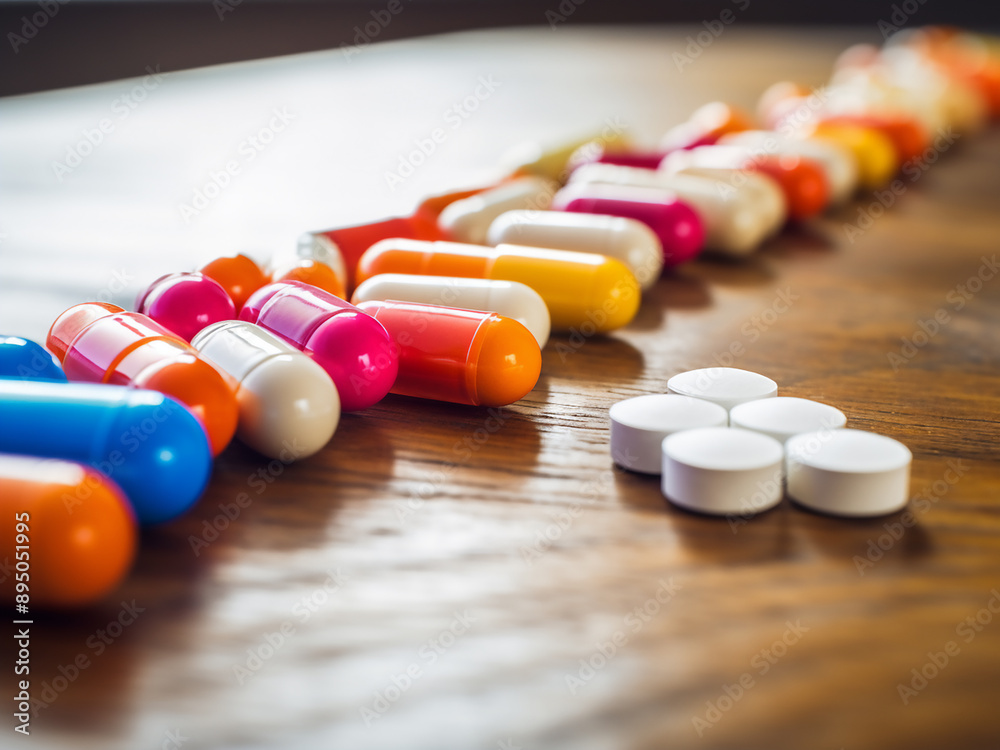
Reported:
(725, 386)
(722, 470)
(785, 416)
(848, 472)
(638, 426)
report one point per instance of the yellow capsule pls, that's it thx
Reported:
(532, 158)
(874, 152)
(583, 291)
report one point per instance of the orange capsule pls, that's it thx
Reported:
(238, 275)
(67, 531)
(908, 136)
(312, 272)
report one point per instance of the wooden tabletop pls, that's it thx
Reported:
(447, 577)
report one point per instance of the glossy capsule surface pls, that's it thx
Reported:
(462, 356)
(77, 525)
(238, 274)
(102, 343)
(23, 359)
(184, 303)
(580, 289)
(872, 149)
(289, 407)
(676, 224)
(628, 240)
(510, 299)
(352, 347)
(149, 444)
(469, 219)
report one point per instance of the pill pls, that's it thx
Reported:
(432, 206)
(469, 219)
(352, 347)
(872, 149)
(638, 426)
(628, 240)
(766, 194)
(351, 242)
(147, 443)
(801, 180)
(508, 298)
(184, 303)
(76, 523)
(675, 223)
(781, 99)
(583, 291)
(315, 260)
(784, 416)
(736, 219)
(552, 162)
(600, 154)
(102, 343)
(848, 472)
(838, 164)
(908, 137)
(462, 356)
(289, 407)
(238, 274)
(22, 359)
(722, 470)
(705, 126)
(725, 386)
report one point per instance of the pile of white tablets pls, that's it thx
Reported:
(725, 443)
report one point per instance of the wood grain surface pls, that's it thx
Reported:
(445, 577)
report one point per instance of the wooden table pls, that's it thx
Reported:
(434, 577)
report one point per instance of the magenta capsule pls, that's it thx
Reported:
(675, 223)
(353, 347)
(184, 303)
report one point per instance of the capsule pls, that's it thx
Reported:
(872, 149)
(101, 343)
(628, 240)
(674, 222)
(801, 180)
(289, 407)
(705, 126)
(238, 274)
(838, 164)
(552, 163)
(736, 219)
(317, 261)
(184, 303)
(149, 444)
(510, 299)
(767, 193)
(462, 356)
(79, 527)
(352, 347)
(21, 359)
(580, 289)
(469, 219)
(908, 137)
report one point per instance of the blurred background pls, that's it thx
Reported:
(88, 42)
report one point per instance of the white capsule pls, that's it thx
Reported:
(289, 406)
(312, 246)
(770, 199)
(838, 164)
(628, 240)
(737, 219)
(469, 219)
(511, 299)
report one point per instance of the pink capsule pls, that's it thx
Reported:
(675, 223)
(184, 303)
(354, 349)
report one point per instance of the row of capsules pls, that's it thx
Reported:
(453, 302)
